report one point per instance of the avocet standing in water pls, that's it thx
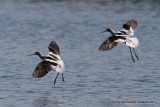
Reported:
(52, 61)
(122, 36)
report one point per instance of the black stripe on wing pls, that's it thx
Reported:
(121, 33)
(110, 43)
(53, 47)
(132, 23)
(52, 58)
(42, 69)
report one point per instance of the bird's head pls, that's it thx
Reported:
(106, 30)
(36, 53)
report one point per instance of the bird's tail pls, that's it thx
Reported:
(132, 42)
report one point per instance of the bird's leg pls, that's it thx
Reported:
(62, 78)
(56, 78)
(135, 54)
(131, 54)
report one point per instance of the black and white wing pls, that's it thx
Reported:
(42, 69)
(108, 44)
(111, 42)
(53, 47)
(132, 23)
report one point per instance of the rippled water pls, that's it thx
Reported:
(93, 78)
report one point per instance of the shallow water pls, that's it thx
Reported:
(92, 78)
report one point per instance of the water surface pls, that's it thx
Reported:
(93, 78)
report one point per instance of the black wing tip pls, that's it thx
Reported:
(42, 69)
(107, 45)
(104, 49)
(53, 47)
(132, 22)
(52, 43)
(36, 75)
(101, 48)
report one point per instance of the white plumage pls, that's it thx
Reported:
(132, 42)
(50, 62)
(122, 36)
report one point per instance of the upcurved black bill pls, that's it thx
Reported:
(103, 31)
(30, 54)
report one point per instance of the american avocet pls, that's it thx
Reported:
(52, 61)
(122, 36)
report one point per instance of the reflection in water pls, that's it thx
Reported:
(99, 1)
(46, 102)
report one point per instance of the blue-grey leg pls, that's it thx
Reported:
(135, 54)
(131, 54)
(62, 78)
(56, 78)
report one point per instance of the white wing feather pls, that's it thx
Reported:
(132, 42)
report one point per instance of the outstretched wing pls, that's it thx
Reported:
(42, 69)
(53, 47)
(108, 44)
(132, 42)
(132, 23)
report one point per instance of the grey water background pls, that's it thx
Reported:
(92, 78)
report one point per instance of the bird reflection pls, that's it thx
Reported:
(46, 102)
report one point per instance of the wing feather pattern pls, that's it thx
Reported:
(42, 69)
(108, 44)
(53, 47)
